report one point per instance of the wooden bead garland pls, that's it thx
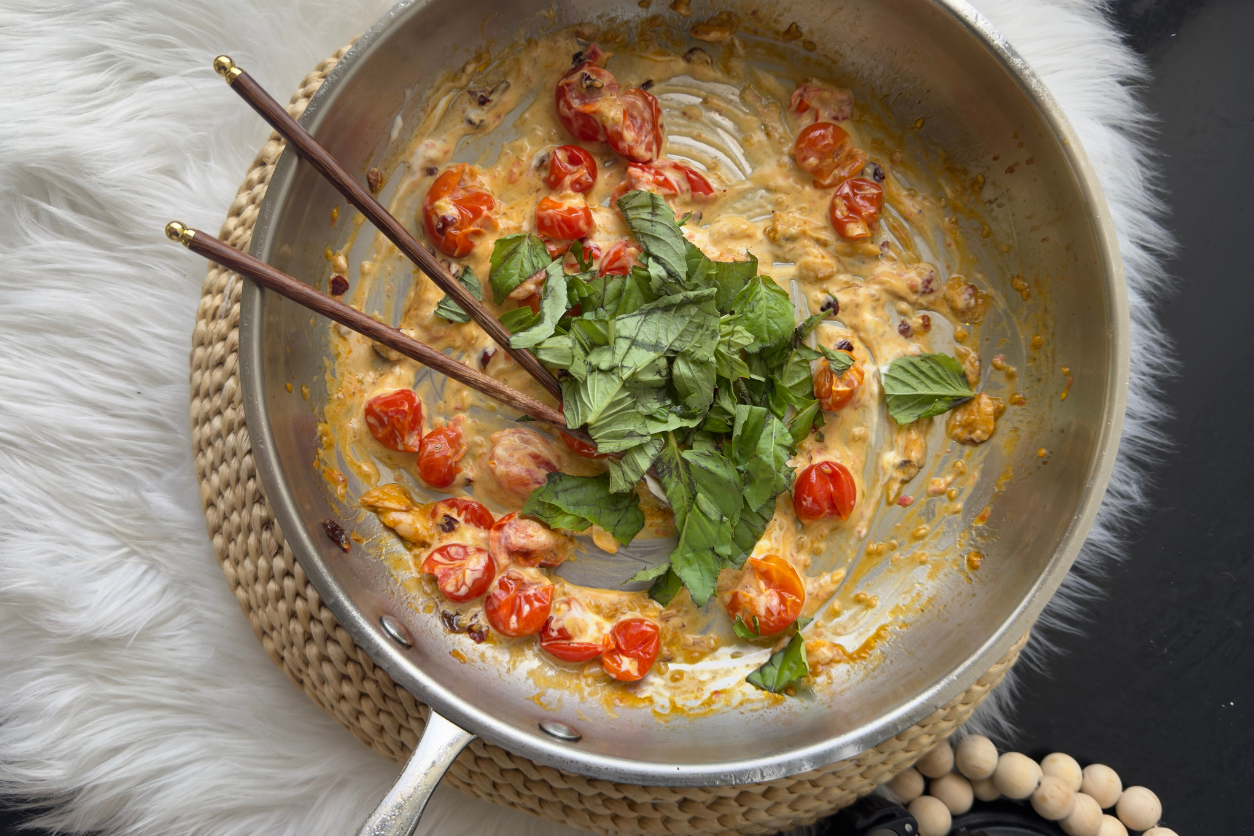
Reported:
(1057, 788)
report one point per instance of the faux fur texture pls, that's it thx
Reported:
(134, 698)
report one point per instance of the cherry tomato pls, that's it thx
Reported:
(524, 541)
(555, 248)
(835, 392)
(518, 605)
(580, 447)
(521, 460)
(571, 168)
(563, 221)
(441, 449)
(395, 420)
(823, 491)
(456, 210)
(826, 152)
(633, 648)
(619, 259)
(462, 572)
(819, 103)
(769, 595)
(586, 97)
(465, 510)
(637, 133)
(665, 178)
(573, 634)
(856, 207)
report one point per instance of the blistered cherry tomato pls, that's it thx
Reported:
(571, 168)
(573, 634)
(456, 210)
(819, 103)
(587, 98)
(633, 648)
(466, 510)
(856, 207)
(518, 605)
(561, 220)
(580, 447)
(637, 133)
(665, 178)
(826, 152)
(521, 460)
(769, 595)
(442, 449)
(619, 259)
(823, 491)
(462, 572)
(834, 392)
(516, 539)
(395, 420)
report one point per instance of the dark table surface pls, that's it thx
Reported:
(1160, 685)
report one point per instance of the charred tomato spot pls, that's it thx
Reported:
(337, 534)
(844, 345)
(339, 285)
(449, 523)
(904, 329)
(451, 621)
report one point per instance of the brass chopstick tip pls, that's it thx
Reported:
(225, 67)
(177, 231)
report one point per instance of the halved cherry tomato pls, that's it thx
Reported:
(571, 168)
(819, 103)
(563, 221)
(823, 491)
(827, 153)
(637, 133)
(518, 605)
(465, 510)
(633, 648)
(456, 210)
(587, 98)
(835, 392)
(619, 259)
(524, 541)
(572, 633)
(395, 420)
(856, 207)
(666, 178)
(580, 447)
(441, 449)
(521, 460)
(462, 572)
(769, 595)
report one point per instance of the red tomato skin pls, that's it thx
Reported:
(524, 541)
(823, 491)
(637, 639)
(556, 642)
(856, 206)
(467, 208)
(825, 151)
(563, 221)
(462, 572)
(518, 606)
(580, 447)
(581, 102)
(619, 259)
(666, 178)
(521, 460)
(777, 600)
(441, 449)
(638, 135)
(395, 420)
(834, 392)
(817, 102)
(469, 511)
(571, 168)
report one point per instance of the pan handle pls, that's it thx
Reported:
(400, 810)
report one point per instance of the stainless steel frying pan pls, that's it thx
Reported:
(932, 59)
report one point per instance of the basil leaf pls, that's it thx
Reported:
(650, 573)
(731, 277)
(699, 265)
(765, 311)
(666, 587)
(761, 447)
(694, 382)
(630, 469)
(803, 422)
(783, 668)
(694, 560)
(924, 385)
(447, 309)
(519, 319)
(557, 352)
(794, 384)
(745, 631)
(683, 322)
(715, 478)
(838, 361)
(552, 306)
(575, 502)
(749, 530)
(515, 258)
(806, 328)
(731, 339)
(652, 223)
(576, 249)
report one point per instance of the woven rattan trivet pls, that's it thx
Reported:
(302, 637)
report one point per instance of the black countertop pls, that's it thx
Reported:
(1159, 684)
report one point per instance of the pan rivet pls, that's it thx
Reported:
(560, 730)
(396, 631)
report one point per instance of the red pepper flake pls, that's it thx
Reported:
(905, 501)
(486, 357)
(904, 329)
(477, 632)
(338, 535)
(339, 285)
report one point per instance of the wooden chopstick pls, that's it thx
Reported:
(218, 251)
(309, 150)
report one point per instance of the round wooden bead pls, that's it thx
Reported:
(938, 761)
(985, 789)
(1159, 831)
(976, 757)
(932, 815)
(1065, 767)
(907, 785)
(1016, 775)
(1138, 808)
(1053, 799)
(954, 791)
(1111, 826)
(1102, 784)
(1085, 818)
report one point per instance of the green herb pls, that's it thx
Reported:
(924, 385)
(801, 424)
(446, 308)
(745, 631)
(552, 306)
(765, 311)
(575, 502)
(652, 222)
(838, 361)
(783, 668)
(761, 446)
(519, 319)
(666, 587)
(515, 258)
(630, 469)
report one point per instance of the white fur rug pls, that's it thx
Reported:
(134, 697)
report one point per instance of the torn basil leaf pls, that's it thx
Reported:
(666, 587)
(449, 310)
(552, 306)
(628, 470)
(652, 223)
(746, 631)
(519, 319)
(783, 668)
(765, 311)
(575, 502)
(515, 258)
(924, 385)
